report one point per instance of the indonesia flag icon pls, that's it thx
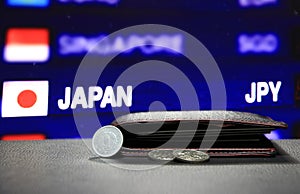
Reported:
(27, 45)
(25, 98)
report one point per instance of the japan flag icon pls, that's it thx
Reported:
(25, 98)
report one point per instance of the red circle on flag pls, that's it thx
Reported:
(27, 98)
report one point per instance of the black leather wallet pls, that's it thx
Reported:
(226, 133)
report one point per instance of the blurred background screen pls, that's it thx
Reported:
(256, 44)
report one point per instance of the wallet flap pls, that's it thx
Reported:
(233, 119)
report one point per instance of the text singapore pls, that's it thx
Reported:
(107, 96)
(70, 45)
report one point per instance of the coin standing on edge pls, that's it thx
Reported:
(107, 141)
(191, 156)
(163, 155)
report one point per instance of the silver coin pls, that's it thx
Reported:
(107, 141)
(164, 155)
(191, 156)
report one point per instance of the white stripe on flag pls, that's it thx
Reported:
(26, 53)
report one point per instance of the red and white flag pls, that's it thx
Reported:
(27, 45)
(25, 98)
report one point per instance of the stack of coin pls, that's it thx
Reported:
(182, 155)
(108, 140)
(191, 156)
(164, 155)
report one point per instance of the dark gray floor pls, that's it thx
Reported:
(67, 166)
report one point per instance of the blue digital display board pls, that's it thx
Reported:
(256, 44)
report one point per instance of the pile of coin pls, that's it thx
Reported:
(180, 155)
(108, 141)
